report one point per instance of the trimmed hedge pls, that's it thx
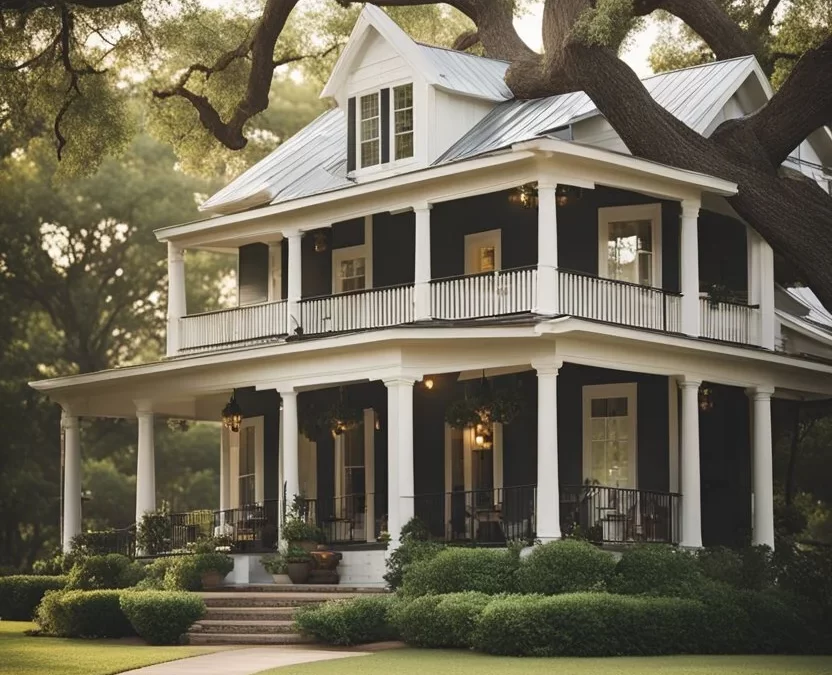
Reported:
(349, 622)
(159, 617)
(567, 566)
(410, 551)
(440, 621)
(456, 570)
(659, 571)
(105, 571)
(87, 614)
(750, 568)
(20, 594)
(184, 572)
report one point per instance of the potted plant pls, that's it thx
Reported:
(297, 531)
(298, 564)
(276, 565)
(213, 566)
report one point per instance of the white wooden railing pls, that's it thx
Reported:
(620, 302)
(357, 311)
(480, 295)
(229, 326)
(728, 321)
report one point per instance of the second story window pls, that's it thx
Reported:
(370, 130)
(403, 121)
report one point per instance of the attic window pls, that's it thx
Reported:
(403, 120)
(370, 130)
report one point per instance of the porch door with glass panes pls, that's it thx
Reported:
(247, 472)
(351, 499)
(483, 258)
(349, 275)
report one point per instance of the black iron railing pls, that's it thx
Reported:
(102, 542)
(347, 519)
(619, 515)
(494, 516)
(251, 528)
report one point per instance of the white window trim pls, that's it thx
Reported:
(393, 112)
(359, 137)
(259, 477)
(479, 239)
(614, 214)
(369, 419)
(618, 390)
(275, 271)
(350, 252)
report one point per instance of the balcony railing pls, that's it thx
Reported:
(613, 301)
(375, 308)
(347, 519)
(229, 326)
(727, 321)
(481, 295)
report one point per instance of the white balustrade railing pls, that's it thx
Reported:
(481, 295)
(229, 326)
(728, 321)
(357, 311)
(620, 302)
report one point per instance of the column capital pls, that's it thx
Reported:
(295, 234)
(691, 207)
(175, 252)
(68, 420)
(144, 408)
(422, 206)
(399, 380)
(287, 393)
(687, 382)
(547, 367)
(760, 392)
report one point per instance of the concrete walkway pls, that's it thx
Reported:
(243, 661)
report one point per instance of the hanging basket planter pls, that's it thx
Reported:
(485, 406)
(317, 417)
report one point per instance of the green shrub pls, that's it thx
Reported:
(154, 574)
(455, 570)
(20, 594)
(441, 621)
(807, 573)
(184, 572)
(160, 617)
(105, 571)
(657, 570)
(410, 551)
(349, 622)
(588, 624)
(567, 566)
(87, 614)
(153, 534)
(57, 565)
(750, 568)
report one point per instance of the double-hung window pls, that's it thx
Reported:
(403, 121)
(370, 130)
(630, 244)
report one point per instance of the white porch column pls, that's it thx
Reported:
(422, 273)
(689, 260)
(548, 482)
(761, 450)
(145, 463)
(399, 455)
(761, 287)
(547, 248)
(294, 288)
(290, 445)
(690, 483)
(72, 479)
(176, 296)
(225, 469)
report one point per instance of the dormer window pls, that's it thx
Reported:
(403, 120)
(370, 130)
(380, 128)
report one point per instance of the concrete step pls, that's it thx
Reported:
(259, 599)
(302, 588)
(259, 627)
(248, 639)
(249, 613)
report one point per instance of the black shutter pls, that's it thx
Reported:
(253, 274)
(351, 135)
(385, 126)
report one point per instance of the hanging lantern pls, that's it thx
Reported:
(232, 414)
(320, 242)
(525, 196)
(567, 194)
(706, 399)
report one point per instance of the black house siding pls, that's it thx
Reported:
(253, 274)
(723, 252)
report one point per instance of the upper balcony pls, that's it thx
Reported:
(619, 258)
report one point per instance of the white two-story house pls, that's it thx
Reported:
(480, 311)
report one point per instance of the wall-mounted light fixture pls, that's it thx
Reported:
(706, 398)
(320, 243)
(232, 414)
(428, 382)
(527, 197)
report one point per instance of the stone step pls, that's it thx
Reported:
(303, 588)
(250, 613)
(297, 599)
(259, 627)
(248, 639)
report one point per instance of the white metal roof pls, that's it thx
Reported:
(468, 74)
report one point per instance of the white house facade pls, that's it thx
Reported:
(431, 248)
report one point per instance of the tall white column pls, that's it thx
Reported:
(689, 260)
(422, 265)
(290, 445)
(547, 248)
(72, 479)
(548, 482)
(400, 455)
(761, 287)
(761, 443)
(690, 482)
(145, 464)
(294, 286)
(225, 469)
(176, 296)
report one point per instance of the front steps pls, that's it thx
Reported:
(262, 614)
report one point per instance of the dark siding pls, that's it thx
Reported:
(428, 441)
(348, 233)
(284, 269)
(316, 266)
(253, 274)
(265, 403)
(394, 249)
(351, 134)
(723, 253)
(385, 125)
(520, 437)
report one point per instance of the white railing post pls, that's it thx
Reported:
(422, 308)
(176, 296)
(547, 248)
(294, 290)
(690, 266)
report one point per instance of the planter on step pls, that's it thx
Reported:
(281, 579)
(211, 580)
(299, 572)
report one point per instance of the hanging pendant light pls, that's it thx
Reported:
(232, 414)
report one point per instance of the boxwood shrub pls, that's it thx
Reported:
(455, 570)
(349, 622)
(20, 594)
(184, 572)
(159, 617)
(410, 551)
(567, 566)
(441, 621)
(105, 571)
(657, 570)
(88, 614)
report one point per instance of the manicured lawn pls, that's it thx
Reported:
(23, 655)
(429, 662)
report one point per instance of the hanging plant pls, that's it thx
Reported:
(317, 417)
(463, 413)
(505, 405)
(486, 406)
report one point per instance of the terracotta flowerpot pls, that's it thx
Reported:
(299, 572)
(281, 579)
(211, 580)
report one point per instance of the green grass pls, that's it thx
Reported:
(422, 662)
(24, 655)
